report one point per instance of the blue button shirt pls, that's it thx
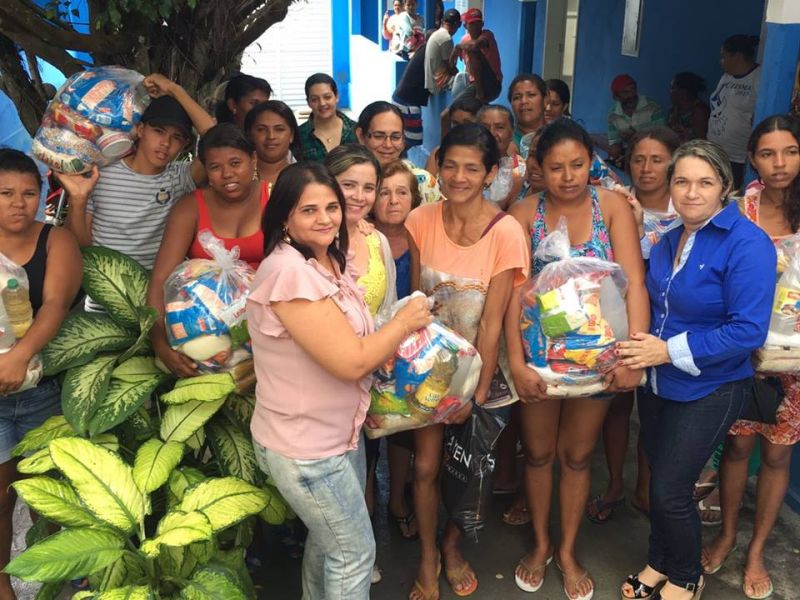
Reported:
(714, 307)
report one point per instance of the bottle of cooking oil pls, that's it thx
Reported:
(18, 307)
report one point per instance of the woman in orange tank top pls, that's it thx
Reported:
(230, 207)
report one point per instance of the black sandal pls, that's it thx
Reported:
(404, 525)
(641, 591)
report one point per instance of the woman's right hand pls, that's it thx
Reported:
(415, 314)
(530, 386)
(179, 364)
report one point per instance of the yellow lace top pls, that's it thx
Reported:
(374, 281)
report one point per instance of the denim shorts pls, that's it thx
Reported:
(21, 412)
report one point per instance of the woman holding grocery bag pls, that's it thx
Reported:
(315, 349)
(773, 203)
(711, 282)
(599, 225)
(231, 208)
(469, 256)
(51, 260)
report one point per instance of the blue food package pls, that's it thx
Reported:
(533, 338)
(108, 96)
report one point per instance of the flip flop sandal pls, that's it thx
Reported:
(703, 507)
(404, 525)
(753, 583)
(523, 515)
(433, 592)
(575, 583)
(641, 591)
(455, 576)
(702, 490)
(719, 565)
(530, 573)
(600, 506)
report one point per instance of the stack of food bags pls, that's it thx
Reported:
(433, 373)
(573, 313)
(781, 352)
(204, 303)
(91, 120)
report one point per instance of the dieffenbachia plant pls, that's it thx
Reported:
(126, 470)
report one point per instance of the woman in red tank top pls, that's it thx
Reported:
(231, 207)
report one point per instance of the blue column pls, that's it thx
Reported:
(778, 69)
(340, 26)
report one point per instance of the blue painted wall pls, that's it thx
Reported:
(503, 18)
(680, 35)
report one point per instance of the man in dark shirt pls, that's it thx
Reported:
(411, 95)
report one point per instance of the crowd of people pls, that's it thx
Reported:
(340, 224)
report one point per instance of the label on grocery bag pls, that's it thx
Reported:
(787, 304)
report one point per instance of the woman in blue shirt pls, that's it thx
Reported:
(711, 283)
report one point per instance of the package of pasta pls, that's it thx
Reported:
(204, 307)
(781, 351)
(433, 373)
(573, 313)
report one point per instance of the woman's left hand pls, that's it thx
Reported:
(461, 415)
(643, 350)
(13, 368)
(365, 227)
(623, 379)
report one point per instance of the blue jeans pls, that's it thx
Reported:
(23, 411)
(328, 495)
(679, 438)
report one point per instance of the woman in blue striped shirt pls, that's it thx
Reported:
(711, 283)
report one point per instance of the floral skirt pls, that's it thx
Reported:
(787, 430)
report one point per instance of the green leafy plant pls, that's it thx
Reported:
(153, 481)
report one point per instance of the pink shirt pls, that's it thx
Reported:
(302, 411)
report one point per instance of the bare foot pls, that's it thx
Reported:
(577, 582)
(716, 553)
(532, 566)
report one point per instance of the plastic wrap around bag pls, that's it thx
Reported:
(502, 183)
(90, 120)
(573, 313)
(467, 469)
(657, 223)
(11, 270)
(433, 373)
(204, 303)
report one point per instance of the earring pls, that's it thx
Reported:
(486, 186)
(286, 237)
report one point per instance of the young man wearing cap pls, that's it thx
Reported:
(478, 50)
(125, 205)
(631, 113)
(438, 70)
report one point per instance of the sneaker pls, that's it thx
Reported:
(376, 574)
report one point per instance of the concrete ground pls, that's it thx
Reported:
(609, 552)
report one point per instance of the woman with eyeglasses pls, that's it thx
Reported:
(380, 129)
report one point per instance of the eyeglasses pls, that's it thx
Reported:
(382, 136)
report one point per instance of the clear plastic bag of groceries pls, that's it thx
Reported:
(573, 312)
(433, 373)
(501, 185)
(91, 119)
(657, 223)
(204, 307)
(784, 324)
(11, 270)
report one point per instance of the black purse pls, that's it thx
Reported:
(765, 400)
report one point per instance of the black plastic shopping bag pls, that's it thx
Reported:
(467, 469)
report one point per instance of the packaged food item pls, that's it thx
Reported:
(204, 302)
(573, 313)
(91, 120)
(433, 373)
(781, 351)
(658, 223)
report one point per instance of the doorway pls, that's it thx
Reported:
(561, 34)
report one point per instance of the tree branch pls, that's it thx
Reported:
(58, 57)
(259, 21)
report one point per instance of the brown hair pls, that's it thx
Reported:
(398, 166)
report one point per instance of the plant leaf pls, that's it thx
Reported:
(55, 500)
(117, 282)
(85, 389)
(225, 501)
(36, 439)
(106, 440)
(232, 449)
(178, 528)
(203, 387)
(128, 569)
(103, 482)
(182, 420)
(81, 337)
(154, 462)
(212, 582)
(49, 591)
(131, 592)
(274, 512)
(239, 409)
(67, 554)
(196, 440)
(147, 318)
(136, 369)
(121, 399)
(182, 479)
(37, 463)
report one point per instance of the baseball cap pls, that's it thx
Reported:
(621, 82)
(472, 15)
(451, 16)
(165, 110)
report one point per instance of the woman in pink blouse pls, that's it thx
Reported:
(314, 349)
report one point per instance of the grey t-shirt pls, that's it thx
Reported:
(437, 52)
(129, 210)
